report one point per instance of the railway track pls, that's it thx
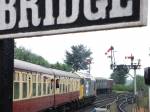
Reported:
(102, 101)
(105, 101)
(123, 101)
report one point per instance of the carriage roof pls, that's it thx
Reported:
(22, 65)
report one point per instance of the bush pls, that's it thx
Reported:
(120, 87)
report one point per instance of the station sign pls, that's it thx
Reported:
(25, 18)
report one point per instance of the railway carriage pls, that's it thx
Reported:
(37, 88)
(67, 88)
(103, 85)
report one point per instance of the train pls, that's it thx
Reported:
(103, 85)
(37, 88)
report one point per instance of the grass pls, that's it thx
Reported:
(142, 102)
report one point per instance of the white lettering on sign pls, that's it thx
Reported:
(26, 18)
(49, 19)
(7, 8)
(127, 11)
(29, 4)
(63, 19)
(101, 6)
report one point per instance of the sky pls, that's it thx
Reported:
(125, 41)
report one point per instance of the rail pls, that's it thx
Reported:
(121, 102)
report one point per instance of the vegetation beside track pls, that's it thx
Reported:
(142, 104)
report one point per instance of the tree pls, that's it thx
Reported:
(61, 66)
(120, 74)
(26, 55)
(78, 57)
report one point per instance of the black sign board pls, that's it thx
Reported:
(22, 18)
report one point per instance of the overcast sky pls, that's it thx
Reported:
(125, 42)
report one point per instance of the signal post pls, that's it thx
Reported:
(134, 66)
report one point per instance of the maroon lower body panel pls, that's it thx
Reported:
(34, 104)
(61, 99)
(42, 103)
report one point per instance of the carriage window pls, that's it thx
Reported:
(57, 83)
(66, 88)
(16, 90)
(69, 88)
(44, 85)
(34, 85)
(48, 86)
(16, 85)
(24, 87)
(76, 85)
(24, 90)
(82, 81)
(60, 88)
(72, 85)
(39, 85)
(63, 88)
(52, 85)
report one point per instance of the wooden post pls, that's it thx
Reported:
(6, 74)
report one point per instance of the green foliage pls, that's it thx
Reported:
(141, 87)
(26, 55)
(120, 87)
(77, 59)
(142, 99)
(120, 74)
(141, 83)
(61, 66)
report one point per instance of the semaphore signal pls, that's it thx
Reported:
(133, 65)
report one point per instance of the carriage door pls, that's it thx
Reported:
(29, 85)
